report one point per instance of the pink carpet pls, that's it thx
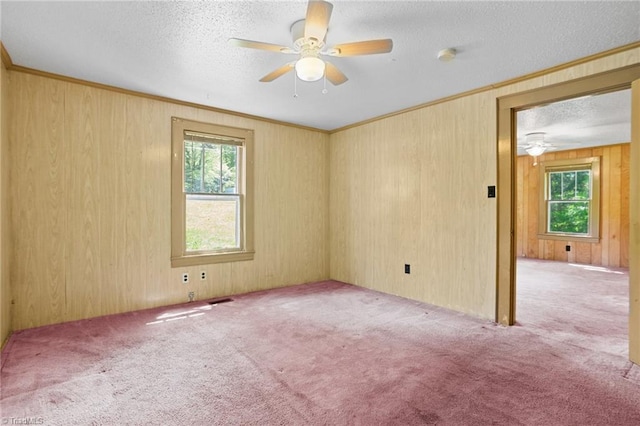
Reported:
(331, 353)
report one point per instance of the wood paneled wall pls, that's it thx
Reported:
(634, 228)
(613, 248)
(398, 197)
(90, 173)
(412, 188)
(5, 234)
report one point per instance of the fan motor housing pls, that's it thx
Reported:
(297, 30)
(299, 41)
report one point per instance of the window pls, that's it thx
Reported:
(570, 203)
(211, 206)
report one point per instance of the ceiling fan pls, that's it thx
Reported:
(535, 144)
(309, 44)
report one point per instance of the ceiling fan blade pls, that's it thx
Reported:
(259, 45)
(277, 73)
(369, 47)
(576, 143)
(317, 20)
(333, 74)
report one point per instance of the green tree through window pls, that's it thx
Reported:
(210, 168)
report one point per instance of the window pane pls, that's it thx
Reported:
(229, 169)
(212, 222)
(193, 178)
(555, 186)
(569, 217)
(210, 168)
(583, 189)
(568, 185)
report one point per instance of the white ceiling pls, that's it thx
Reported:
(179, 49)
(588, 121)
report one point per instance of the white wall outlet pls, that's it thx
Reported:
(203, 275)
(191, 295)
(185, 277)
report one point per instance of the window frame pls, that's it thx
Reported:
(239, 137)
(577, 164)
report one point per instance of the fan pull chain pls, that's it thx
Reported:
(295, 85)
(324, 87)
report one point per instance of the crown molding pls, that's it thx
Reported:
(9, 65)
(6, 58)
(494, 86)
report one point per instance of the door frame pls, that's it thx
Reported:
(508, 106)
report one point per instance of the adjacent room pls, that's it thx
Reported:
(578, 149)
(572, 227)
(311, 212)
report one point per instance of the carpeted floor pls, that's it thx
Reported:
(329, 353)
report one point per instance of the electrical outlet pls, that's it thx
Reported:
(192, 295)
(203, 275)
(185, 277)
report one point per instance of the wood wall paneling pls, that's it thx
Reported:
(39, 199)
(605, 206)
(596, 248)
(91, 204)
(83, 285)
(634, 207)
(612, 250)
(624, 203)
(112, 152)
(397, 198)
(530, 198)
(521, 245)
(616, 215)
(5, 225)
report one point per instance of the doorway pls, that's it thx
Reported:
(507, 108)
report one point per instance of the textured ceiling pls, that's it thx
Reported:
(579, 123)
(179, 49)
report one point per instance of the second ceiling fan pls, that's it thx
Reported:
(309, 43)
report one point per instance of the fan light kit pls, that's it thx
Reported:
(536, 150)
(310, 68)
(535, 143)
(309, 44)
